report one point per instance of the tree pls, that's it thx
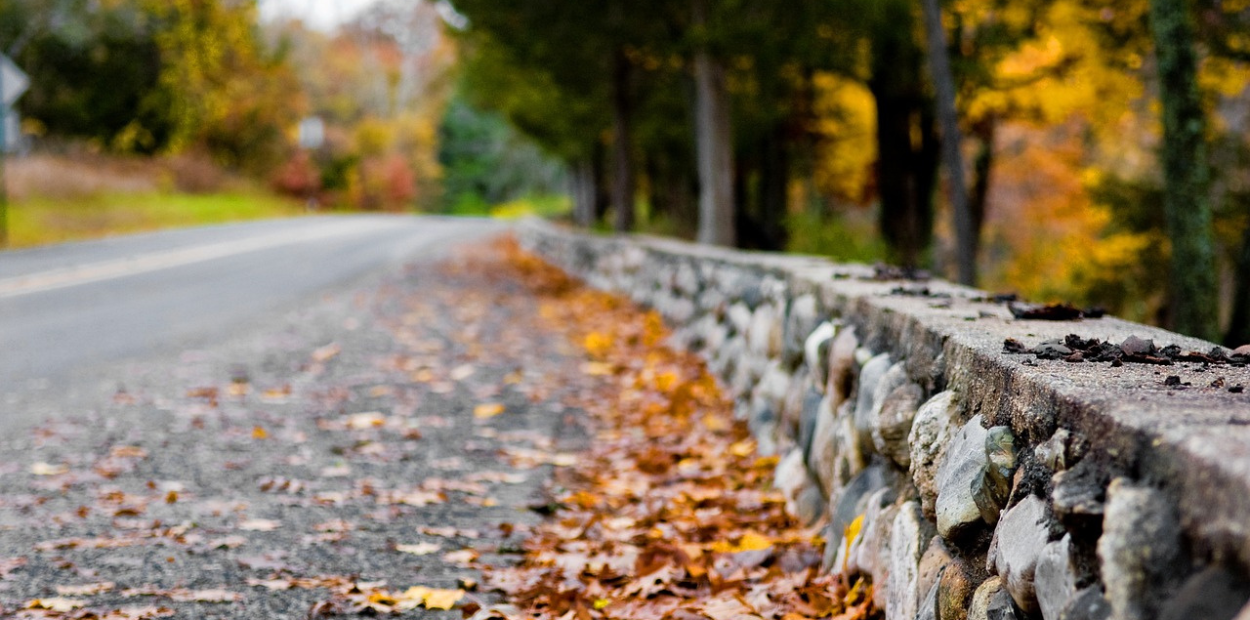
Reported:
(714, 137)
(1192, 283)
(952, 138)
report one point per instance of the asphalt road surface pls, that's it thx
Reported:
(70, 310)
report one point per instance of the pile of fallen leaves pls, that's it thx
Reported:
(670, 513)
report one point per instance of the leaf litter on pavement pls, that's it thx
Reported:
(667, 513)
(670, 514)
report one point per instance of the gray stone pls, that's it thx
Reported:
(809, 504)
(842, 365)
(812, 408)
(929, 606)
(931, 431)
(1079, 493)
(686, 280)
(801, 319)
(865, 394)
(935, 557)
(791, 478)
(791, 412)
(767, 441)
(992, 488)
(772, 387)
(764, 332)
(962, 466)
(1138, 548)
(681, 311)
(712, 300)
(739, 317)
(1055, 578)
(850, 455)
(903, 582)
(816, 354)
(867, 554)
(1018, 541)
(1002, 607)
(1089, 604)
(851, 501)
(991, 594)
(892, 425)
(1212, 594)
(1053, 452)
(824, 446)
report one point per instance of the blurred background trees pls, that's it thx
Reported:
(809, 126)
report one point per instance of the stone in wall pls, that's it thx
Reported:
(865, 395)
(816, 354)
(892, 422)
(931, 431)
(802, 317)
(903, 582)
(1019, 538)
(962, 465)
(843, 368)
(1138, 549)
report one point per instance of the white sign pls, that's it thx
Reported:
(312, 132)
(13, 132)
(13, 81)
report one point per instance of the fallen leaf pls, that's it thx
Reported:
(463, 557)
(418, 548)
(260, 525)
(89, 589)
(487, 410)
(326, 353)
(46, 469)
(259, 432)
(430, 598)
(60, 604)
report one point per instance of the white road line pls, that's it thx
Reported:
(106, 270)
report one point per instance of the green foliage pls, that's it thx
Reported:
(843, 239)
(40, 221)
(486, 162)
(149, 76)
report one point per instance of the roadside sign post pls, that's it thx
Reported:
(312, 134)
(13, 82)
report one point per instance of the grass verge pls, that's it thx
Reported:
(41, 221)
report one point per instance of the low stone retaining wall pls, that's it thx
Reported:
(977, 465)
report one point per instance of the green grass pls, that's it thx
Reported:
(844, 239)
(541, 206)
(41, 221)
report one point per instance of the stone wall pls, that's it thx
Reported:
(971, 476)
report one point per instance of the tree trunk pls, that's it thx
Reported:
(1193, 289)
(952, 138)
(582, 180)
(1239, 328)
(905, 177)
(982, 166)
(713, 145)
(603, 185)
(907, 147)
(773, 186)
(622, 143)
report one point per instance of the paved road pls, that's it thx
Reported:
(326, 439)
(76, 306)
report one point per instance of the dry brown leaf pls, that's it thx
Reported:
(89, 589)
(487, 410)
